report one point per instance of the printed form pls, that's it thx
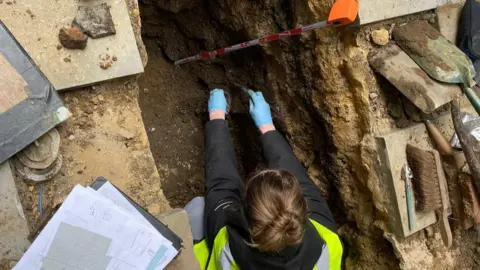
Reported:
(98, 230)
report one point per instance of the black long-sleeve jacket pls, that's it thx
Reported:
(224, 203)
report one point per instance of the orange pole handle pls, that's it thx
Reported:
(343, 12)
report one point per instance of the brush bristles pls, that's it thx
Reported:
(425, 179)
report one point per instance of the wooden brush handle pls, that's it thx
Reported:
(445, 229)
(443, 212)
(441, 143)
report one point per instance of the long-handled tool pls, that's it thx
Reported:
(468, 150)
(343, 12)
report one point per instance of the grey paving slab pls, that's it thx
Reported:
(379, 10)
(448, 18)
(393, 156)
(13, 225)
(177, 221)
(391, 148)
(36, 24)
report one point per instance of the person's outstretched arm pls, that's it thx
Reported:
(279, 155)
(224, 187)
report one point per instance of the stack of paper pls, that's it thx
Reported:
(98, 230)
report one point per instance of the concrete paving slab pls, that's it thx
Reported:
(13, 225)
(36, 25)
(448, 18)
(177, 221)
(379, 10)
(392, 148)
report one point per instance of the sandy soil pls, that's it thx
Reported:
(104, 137)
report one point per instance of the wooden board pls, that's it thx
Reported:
(12, 86)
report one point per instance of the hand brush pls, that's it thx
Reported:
(429, 185)
(425, 179)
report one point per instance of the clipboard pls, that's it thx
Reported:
(177, 242)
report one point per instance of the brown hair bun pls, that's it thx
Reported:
(276, 210)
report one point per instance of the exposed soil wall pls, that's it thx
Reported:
(324, 98)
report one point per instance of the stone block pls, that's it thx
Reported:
(13, 225)
(448, 18)
(36, 24)
(379, 10)
(177, 221)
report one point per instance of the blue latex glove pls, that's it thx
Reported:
(217, 101)
(259, 109)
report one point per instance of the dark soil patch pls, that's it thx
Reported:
(173, 105)
(173, 102)
(173, 99)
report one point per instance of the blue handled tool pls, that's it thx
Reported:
(407, 175)
(408, 188)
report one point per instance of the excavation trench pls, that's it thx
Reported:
(324, 98)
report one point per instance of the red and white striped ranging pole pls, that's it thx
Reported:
(282, 35)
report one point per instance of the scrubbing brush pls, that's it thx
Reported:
(429, 184)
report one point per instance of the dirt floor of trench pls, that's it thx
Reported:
(174, 103)
(174, 99)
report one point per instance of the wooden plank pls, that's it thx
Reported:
(12, 86)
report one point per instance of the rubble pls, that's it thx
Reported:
(380, 37)
(72, 38)
(95, 21)
(105, 61)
